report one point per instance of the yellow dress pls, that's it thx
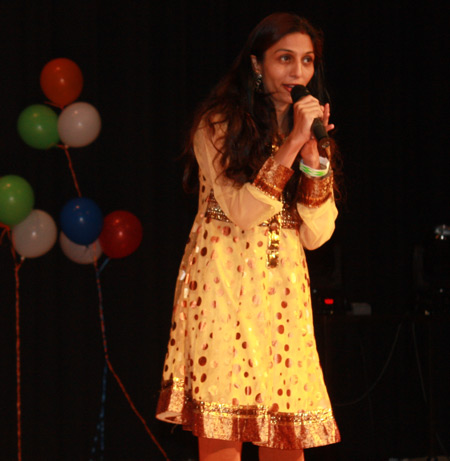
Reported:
(242, 362)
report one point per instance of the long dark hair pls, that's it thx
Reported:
(248, 114)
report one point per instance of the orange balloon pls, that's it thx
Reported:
(61, 81)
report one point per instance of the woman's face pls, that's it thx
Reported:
(288, 62)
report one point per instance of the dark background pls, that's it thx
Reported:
(146, 65)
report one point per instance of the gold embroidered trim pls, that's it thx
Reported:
(213, 209)
(289, 218)
(252, 423)
(272, 178)
(273, 245)
(313, 192)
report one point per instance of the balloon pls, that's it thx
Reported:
(81, 254)
(16, 199)
(35, 235)
(38, 126)
(121, 234)
(81, 220)
(79, 124)
(61, 81)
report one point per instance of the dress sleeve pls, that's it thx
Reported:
(317, 209)
(247, 205)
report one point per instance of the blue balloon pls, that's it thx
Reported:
(81, 220)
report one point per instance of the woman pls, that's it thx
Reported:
(242, 363)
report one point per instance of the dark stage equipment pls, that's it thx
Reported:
(431, 268)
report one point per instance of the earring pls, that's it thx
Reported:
(258, 83)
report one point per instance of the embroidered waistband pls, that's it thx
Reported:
(288, 218)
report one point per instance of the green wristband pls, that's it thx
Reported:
(313, 172)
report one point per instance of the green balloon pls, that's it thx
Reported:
(38, 126)
(16, 199)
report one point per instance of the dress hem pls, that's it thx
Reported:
(252, 423)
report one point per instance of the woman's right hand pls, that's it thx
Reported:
(305, 111)
(301, 139)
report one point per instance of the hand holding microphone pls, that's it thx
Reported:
(319, 131)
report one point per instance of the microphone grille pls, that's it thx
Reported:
(299, 92)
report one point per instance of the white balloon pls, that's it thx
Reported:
(35, 235)
(79, 124)
(81, 254)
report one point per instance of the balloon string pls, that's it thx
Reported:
(66, 151)
(100, 435)
(18, 366)
(5, 231)
(111, 368)
(105, 262)
(17, 266)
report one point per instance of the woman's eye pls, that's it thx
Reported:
(308, 59)
(285, 58)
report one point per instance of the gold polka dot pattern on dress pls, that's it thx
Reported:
(228, 361)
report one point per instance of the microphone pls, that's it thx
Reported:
(319, 131)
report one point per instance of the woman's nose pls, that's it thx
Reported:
(297, 68)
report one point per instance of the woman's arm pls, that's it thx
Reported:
(315, 204)
(252, 203)
(317, 224)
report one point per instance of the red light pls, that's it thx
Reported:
(328, 301)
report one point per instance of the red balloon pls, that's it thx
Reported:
(121, 234)
(61, 81)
